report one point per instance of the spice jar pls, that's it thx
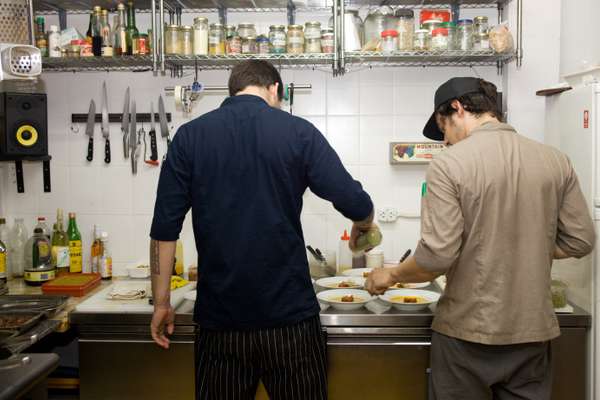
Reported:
(439, 39)
(200, 36)
(422, 40)
(277, 39)
(216, 39)
(73, 50)
(312, 30)
(234, 44)
(246, 30)
(327, 40)
(249, 45)
(431, 24)
(451, 27)
(186, 33)
(262, 44)
(295, 39)
(172, 40)
(405, 28)
(389, 41)
(143, 45)
(481, 39)
(464, 35)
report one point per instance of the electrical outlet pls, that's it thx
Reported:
(387, 214)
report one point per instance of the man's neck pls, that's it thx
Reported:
(478, 122)
(254, 91)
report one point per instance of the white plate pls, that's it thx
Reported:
(333, 298)
(429, 296)
(419, 285)
(191, 295)
(334, 281)
(357, 272)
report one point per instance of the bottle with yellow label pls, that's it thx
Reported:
(75, 248)
(60, 246)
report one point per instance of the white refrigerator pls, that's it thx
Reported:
(573, 126)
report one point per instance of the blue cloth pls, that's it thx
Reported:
(243, 169)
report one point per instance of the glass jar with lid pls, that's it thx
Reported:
(200, 36)
(312, 30)
(233, 44)
(375, 23)
(327, 40)
(246, 30)
(230, 31)
(422, 40)
(451, 27)
(186, 33)
(172, 39)
(389, 41)
(464, 35)
(312, 45)
(439, 39)
(277, 39)
(262, 44)
(405, 27)
(295, 39)
(481, 39)
(216, 39)
(249, 45)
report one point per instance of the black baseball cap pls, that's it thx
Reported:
(452, 89)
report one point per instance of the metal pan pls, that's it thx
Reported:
(20, 321)
(32, 303)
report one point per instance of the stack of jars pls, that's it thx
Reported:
(439, 34)
(217, 39)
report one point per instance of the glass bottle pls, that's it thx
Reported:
(39, 268)
(97, 32)
(40, 36)
(60, 246)
(41, 223)
(131, 32)
(3, 250)
(106, 259)
(107, 48)
(75, 248)
(119, 32)
(96, 252)
(18, 239)
(88, 34)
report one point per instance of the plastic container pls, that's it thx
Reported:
(72, 284)
(344, 255)
(389, 41)
(405, 26)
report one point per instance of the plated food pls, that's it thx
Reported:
(410, 299)
(410, 285)
(359, 272)
(341, 282)
(345, 299)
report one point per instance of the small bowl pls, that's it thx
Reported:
(333, 298)
(138, 271)
(334, 282)
(428, 297)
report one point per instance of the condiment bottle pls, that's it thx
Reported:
(344, 259)
(106, 259)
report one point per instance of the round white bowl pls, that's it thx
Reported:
(357, 272)
(333, 282)
(333, 298)
(429, 296)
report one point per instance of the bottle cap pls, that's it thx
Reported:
(345, 237)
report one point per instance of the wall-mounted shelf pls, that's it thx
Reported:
(228, 61)
(427, 58)
(123, 63)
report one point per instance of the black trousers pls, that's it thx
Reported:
(463, 370)
(291, 361)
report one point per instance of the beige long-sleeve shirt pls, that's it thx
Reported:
(496, 206)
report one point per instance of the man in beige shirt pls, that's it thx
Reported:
(498, 209)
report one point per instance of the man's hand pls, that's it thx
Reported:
(379, 280)
(163, 319)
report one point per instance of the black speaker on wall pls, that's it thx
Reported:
(23, 125)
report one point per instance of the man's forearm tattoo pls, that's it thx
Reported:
(154, 257)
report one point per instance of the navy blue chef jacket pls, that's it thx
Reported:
(243, 169)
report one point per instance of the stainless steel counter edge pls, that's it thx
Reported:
(329, 318)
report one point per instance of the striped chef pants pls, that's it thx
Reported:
(291, 361)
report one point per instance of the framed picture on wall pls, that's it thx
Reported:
(414, 152)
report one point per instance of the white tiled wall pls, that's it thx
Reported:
(359, 113)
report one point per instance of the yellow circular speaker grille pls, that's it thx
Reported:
(22, 133)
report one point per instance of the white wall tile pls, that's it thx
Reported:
(413, 99)
(144, 190)
(377, 100)
(85, 195)
(377, 76)
(343, 135)
(344, 101)
(312, 102)
(59, 196)
(115, 190)
(375, 137)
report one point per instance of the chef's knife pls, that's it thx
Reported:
(152, 134)
(164, 125)
(133, 138)
(89, 130)
(105, 125)
(125, 124)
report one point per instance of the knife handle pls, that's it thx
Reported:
(153, 148)
(107, 151)
(90, 153)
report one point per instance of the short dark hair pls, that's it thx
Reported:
(478, 103)
(254, 73)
